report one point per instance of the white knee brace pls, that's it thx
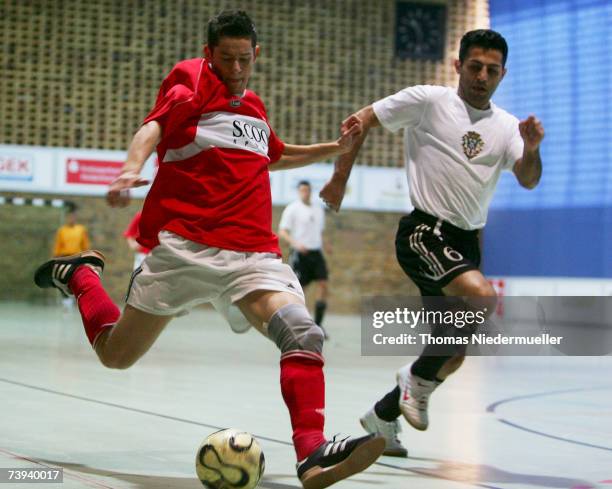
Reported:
(292, 328)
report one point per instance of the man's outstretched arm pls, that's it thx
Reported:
(295, 156)
(528, 169)
(333, 191)
(142, 145)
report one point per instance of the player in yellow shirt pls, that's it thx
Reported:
(71, 238)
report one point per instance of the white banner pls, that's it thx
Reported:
(66, 171)
(71, 171)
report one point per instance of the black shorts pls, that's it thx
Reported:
(433, 252)
(308, 266)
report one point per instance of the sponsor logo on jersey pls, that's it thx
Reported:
(249, 132)
(235, 103)
(472, 144)
(225, 130)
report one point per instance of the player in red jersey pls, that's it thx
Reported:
(208, 219)
(131, 234)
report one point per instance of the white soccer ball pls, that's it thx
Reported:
(230, 459)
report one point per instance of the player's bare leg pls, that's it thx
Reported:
(478, 293)
(451, 366)
(322, 290)
(471, 284)
(417, 382)
(118, 339)
(259, 306)
(475, 287)
(122, 345)
(284, 318)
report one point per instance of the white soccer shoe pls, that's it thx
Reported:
(414, 397)
(388, 430)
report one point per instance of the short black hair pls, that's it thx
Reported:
(303, 182)
(231, 23)
(483, 38)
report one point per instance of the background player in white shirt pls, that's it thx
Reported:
(301, 226)
(456, 143)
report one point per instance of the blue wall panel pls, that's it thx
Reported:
(558, 69)
(549, 242)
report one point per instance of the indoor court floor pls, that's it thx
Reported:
(508, 422)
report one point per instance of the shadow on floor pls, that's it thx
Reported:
(78, 471)
(479, 475)
(485, 474)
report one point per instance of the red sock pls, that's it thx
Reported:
(97, 309)
(303, 388)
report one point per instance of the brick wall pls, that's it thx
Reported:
(84, 74)
(362, 261)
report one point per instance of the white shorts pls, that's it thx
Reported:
(138, 259)
(180, 274)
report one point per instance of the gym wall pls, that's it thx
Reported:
(84, 74)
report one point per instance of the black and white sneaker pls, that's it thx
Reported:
(57, 272)
(338, 459)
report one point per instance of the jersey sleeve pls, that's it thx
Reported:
(286, 220)
(275, 147)
(132, 230)
(404, 108)
(514, 147)
(171, 107)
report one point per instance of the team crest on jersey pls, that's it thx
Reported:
(472, 144)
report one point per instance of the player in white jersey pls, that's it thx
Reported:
(301, 226)
(456, 144)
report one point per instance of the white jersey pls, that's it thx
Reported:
(305, 223)
(454, 153)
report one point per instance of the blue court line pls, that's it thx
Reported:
(554, 437)
(492, 407)
(197, 423)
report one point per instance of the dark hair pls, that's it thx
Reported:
(231, 23)
(303, 182)
(483, 38)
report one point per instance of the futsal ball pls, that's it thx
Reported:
(230, 459)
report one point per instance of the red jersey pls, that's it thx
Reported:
(212, 185)
(133, 231)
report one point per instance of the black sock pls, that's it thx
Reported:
(387, 408)
(428, 367)
(320, 307)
